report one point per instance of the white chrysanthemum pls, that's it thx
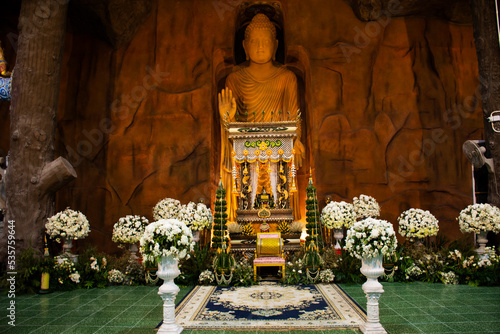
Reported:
(166, 237)
(479, 217)
(371, 237)
(68, 224)
(196, 216)
(167, 208)
(417, 223)
(129, 229)
(366, 206)
(337, 215)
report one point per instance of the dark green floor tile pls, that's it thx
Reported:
(464, 309)
(401, 329)
(482, 317)
(123, 321)
(82, 330)
(421, 319)
(21, 329)
(434, 328)
(438, 310)
(469, 327)
(113, 330)
(47, 329)
(448, 318)
(392, 319)
(410, 311)
(95, 321)
(37, 321)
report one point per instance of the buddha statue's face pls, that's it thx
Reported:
(260, 46)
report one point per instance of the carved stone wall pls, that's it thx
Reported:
(389, 104)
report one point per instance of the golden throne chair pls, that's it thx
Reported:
(269, 252)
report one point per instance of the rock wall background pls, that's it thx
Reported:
(388, 105)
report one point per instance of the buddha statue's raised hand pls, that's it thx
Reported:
(227, 105)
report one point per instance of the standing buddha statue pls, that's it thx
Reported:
(258, 91)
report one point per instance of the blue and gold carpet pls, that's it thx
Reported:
(269, 306)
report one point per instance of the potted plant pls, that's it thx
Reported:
(336, 216)
(165, 242)
(365, 207)
(197, 217)
(68, 225)
(128, 230)
(418, 224)
(480, 219)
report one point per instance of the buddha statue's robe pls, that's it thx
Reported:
(275, 93)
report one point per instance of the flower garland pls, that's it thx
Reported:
(371, 237)
(196, 216)
(417, 223)
(166, 237)
(479, 217)
(129, 229)
(167, 208)
(366, 206)
(68, 224)
(337, 215)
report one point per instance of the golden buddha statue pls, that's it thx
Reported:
(259, 90)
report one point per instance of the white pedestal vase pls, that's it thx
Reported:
(67, 246)
(372, 268)
(133, 251)
(168, 270)
(482, 240)
(338, 234)
(196, 236)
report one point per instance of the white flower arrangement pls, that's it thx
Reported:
(366, 206)
(196, 216)
(479, 217)
(166, 237)
(129, 229)
(206, 277)
(68, 224)
(167, 208)
(417, 223)
(336, 215)
(115, 276)
(66, 267)
(371, 237)
(326, 276)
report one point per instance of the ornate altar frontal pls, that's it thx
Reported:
(263, 170)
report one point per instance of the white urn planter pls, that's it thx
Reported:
(372, 268)
(168, 270)
(196, 236)
(67, 246)
(482, 240)
(338, 234)
(133, 251)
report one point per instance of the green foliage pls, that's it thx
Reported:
(345, 267)
(243, 273)
(200, 260)
(30, 266)
(219, 239)
(92, 268)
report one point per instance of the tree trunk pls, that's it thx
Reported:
(486, 37)
(35, 94)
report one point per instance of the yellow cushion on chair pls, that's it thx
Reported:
(269, 246)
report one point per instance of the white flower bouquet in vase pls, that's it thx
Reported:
(336, 216)
(369, 240)
(197, 217)
(366, 207)
(167, 208)
(68, 225)
(417, 224)
(165, 241)
(129, 230)
(480, 219)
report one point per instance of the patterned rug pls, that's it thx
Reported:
(269, 306)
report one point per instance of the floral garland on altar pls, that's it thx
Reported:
(69, 224)
(366, 206)
(371, 237)
(417, 223)
(166, 237)
(129, 229)
(479, 217)
(336, 215)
